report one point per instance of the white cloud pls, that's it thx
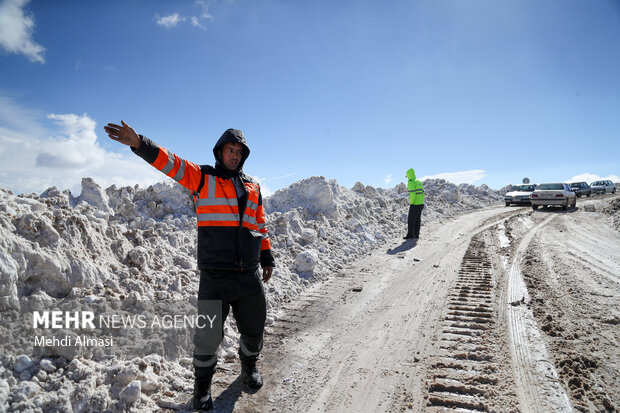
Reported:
(204, 5)
(281, 176)
(76, 147)
(264, 189)
(589, 178)
(174, 19)
(196, 22)
(16, 29)
(16, 118)
(388, 179)
(461, 177)
(38, 158)
(169, 21)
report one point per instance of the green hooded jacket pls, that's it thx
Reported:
(416, 190)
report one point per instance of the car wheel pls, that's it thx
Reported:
(565, 206)
(575, 202)
(613, 191)
(588, 194)
(534, 207)
(507, 203)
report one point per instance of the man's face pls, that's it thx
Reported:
(232, 153)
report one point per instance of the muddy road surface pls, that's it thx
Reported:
(500, 310)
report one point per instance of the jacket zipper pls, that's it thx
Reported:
(239, 245)
(240, 232)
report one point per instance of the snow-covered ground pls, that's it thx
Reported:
(133, 246)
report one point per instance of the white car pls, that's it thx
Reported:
(553, 194)
(519, 194)
(603, 187)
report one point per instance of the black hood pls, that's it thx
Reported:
(233, 136)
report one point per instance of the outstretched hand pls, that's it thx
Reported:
(123, 134)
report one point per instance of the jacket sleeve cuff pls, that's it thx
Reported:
(266, 259)
(148, 150)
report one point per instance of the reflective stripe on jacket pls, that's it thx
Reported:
(227, 239)
(217, 205)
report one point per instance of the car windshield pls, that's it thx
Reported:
(525, 188)
(551, 187)
(575, 185)
(598, 183)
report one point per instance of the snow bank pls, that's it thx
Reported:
(133, 245)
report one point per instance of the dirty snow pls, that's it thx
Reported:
(133, 244)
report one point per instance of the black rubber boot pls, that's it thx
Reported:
(250, 375)
(202, 394)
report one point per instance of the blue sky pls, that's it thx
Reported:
(484, 92)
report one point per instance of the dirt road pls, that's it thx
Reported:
(502, 309)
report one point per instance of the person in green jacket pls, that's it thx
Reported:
(416, 200)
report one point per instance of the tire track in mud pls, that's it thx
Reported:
(462, 376)
(333, 349)
(538, 386)
(296, 318)
(303, 310)
(566, 268)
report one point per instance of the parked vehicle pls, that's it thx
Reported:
(519, 194)
(580, 188)
(553, 194)
(603, 187)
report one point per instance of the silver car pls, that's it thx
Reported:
(603, 187)
(519, 194)
(553, 194)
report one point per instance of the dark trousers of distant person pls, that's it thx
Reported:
(414, 221)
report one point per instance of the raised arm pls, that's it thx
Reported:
(184, 172)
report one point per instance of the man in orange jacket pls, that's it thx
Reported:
(232, 243)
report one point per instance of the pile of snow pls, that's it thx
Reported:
(610, 208)
(134, 245)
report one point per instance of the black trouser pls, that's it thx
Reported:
(243, 291)
(414, 221)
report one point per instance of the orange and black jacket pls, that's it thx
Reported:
(232, 234)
